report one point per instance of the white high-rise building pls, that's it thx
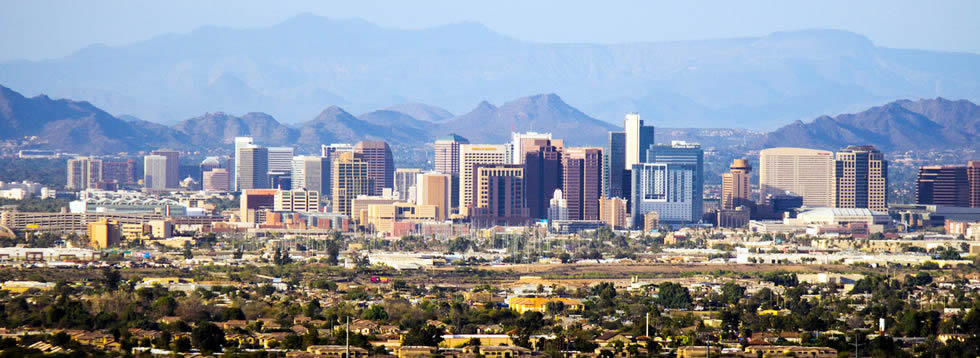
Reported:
(405, 183)
(470, 155)
(558, 207)
(332, 151)
(805, 172)
(311, 173)
(638, 139)
(155, 172)
(281, 160)
(519, 141)
(240, 142)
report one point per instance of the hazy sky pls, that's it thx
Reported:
(39, 29)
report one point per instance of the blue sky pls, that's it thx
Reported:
(40, 29)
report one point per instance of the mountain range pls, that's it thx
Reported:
(306, 63)
(80, 127)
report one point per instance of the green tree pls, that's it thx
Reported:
(188, 253)
(375, 313)
(673, 295)
(427, 335)
(208, 337)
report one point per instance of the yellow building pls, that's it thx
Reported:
(349, 179)
(136, 232)
(791, 351)
(539, 304)
(104, 233)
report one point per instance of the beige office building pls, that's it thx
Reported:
(473, 154)
(805, 172)
(382, 217)
(83, 173)
(297, 200)
(349, 179)
(613, 212)
(434, 189)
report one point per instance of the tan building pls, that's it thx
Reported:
(447, 153)
(651, 221)
(473, 154)
(104, 233)
(435, 189)
(83, 173)
(861, 178)
(613, 212)
(359, 206)
(805, 172)
(297, 200)
(161, 229)
(217, 179)
(349, 179)
(384, 217)
(735, 189)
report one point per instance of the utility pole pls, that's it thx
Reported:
(347, 345)
(648, 326)
(857, 346)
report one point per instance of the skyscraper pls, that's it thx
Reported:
(253, 167)
(281, 160)
(332, 151)
(542, 175)
(639, 138)
(671, 184)
(861, 178)
(381, 165)
(499, 193)
(119, 172)
(473, 154)
(944, 185)
(447, 153)
(735, 190)
(434, 188)
(83, 173)
(617, 177)
(523, 142)
(311, 173)
(240, 142)
(405, 183)
(582, 182)
(973, 175)
(349, 179)
(612, 211)
(805, 172)
(173, 167)
(155, 172)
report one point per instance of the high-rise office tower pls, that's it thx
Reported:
(381, 164)
(521, 143)
(155, 172)
(735, 190)
(542, 175)
(945, 185)
(311, 173)
(119, 172)
(405, 183)
(473, 154)
(83, 173)
(447, 153)
(671, 184)
(173, 167)
(240, 142)
(253, 167)
(805, 172)
(639, 138)
(217, 179)
(582, 182)
(434, 188)
(499, 193)
(349, 178)
(281, 160)
(332, 151)
(861, 178)
(616, 178)
(973, 176)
